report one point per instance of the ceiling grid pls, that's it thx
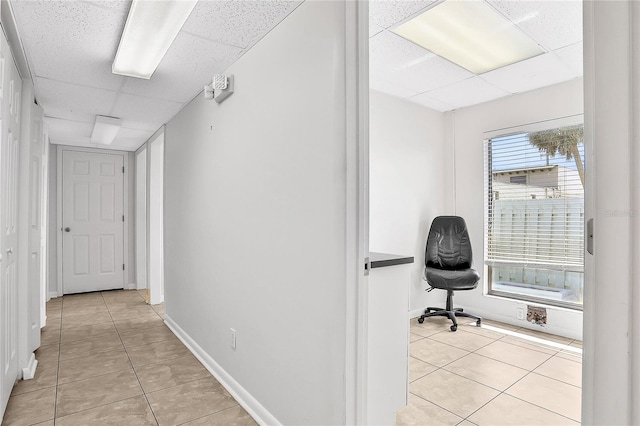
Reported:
(70, 46)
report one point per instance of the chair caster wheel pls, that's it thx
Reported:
(420, 320)
(478, 323)
(454, 327)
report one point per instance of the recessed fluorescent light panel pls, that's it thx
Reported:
(105, 129)
(470, 33)
(150, 29)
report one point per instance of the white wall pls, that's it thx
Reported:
(141, 218)
(155, 173)
(466, 140)
(408, 163)
(54, 229)
(255, 219)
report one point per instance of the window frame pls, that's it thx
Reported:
(567, 121)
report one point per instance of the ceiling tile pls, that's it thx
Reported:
(68, 132)
(84, 35)
(395, 59)
(431, 73)
(140, 125)
(131, 139)
(572, 57)
(390, 88)
(156, 112)
(554, 24)
(73, 102)
(239, 23)
(121, 6)
(426, 100)
(534, 73)
(386, 13)
(468, 92)
(188, 65)
(374, 29)
(60, 129)
(389, 52)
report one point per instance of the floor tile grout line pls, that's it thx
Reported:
(543, 408)
(210, 414)
(482, 406)
(97, 406)
(134, 370)
(55, 401)
(496, 339)
(500, 392)
(439, 406)
(475, 352)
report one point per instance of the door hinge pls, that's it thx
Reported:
(123, 218)
(123, 266)
(122, 169)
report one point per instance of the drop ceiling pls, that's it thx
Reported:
(70, 46)
(406, 70)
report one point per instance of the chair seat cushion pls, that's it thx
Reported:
(461, 279)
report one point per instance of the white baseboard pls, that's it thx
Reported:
(244, 398)
(415, 313)
(133, 286)
(52, 294)
(29, 372)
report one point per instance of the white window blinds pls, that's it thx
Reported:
(535, 199)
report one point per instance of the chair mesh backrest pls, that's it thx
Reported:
(448, 244)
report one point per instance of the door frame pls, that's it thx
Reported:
(140, 212)
(357, 221)
(125, 241)
(155, 219)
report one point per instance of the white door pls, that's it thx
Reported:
(35, 227)
(92, 221)
(9, 134)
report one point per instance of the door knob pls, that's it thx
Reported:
(67, 229)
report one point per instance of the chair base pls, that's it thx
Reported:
(449, 312)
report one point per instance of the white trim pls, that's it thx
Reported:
(53, 295)
(132, 286)
(241, 395)
(571, 120)
(59, 149)
(356, 134)
(125, 207)
(29, 372)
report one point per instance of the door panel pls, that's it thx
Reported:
(10, 89)
(92, 212)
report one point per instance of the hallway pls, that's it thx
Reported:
(108, 358)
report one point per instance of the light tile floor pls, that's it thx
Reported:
(108, 358)
(493, 375)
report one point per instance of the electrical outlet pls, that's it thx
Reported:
(233, 339)
(520, 313)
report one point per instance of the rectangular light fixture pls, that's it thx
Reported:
(150, 29)
(470, 33)
(105, 129)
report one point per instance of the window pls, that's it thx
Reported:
(534, 221)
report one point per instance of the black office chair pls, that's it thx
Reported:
(448, 265)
